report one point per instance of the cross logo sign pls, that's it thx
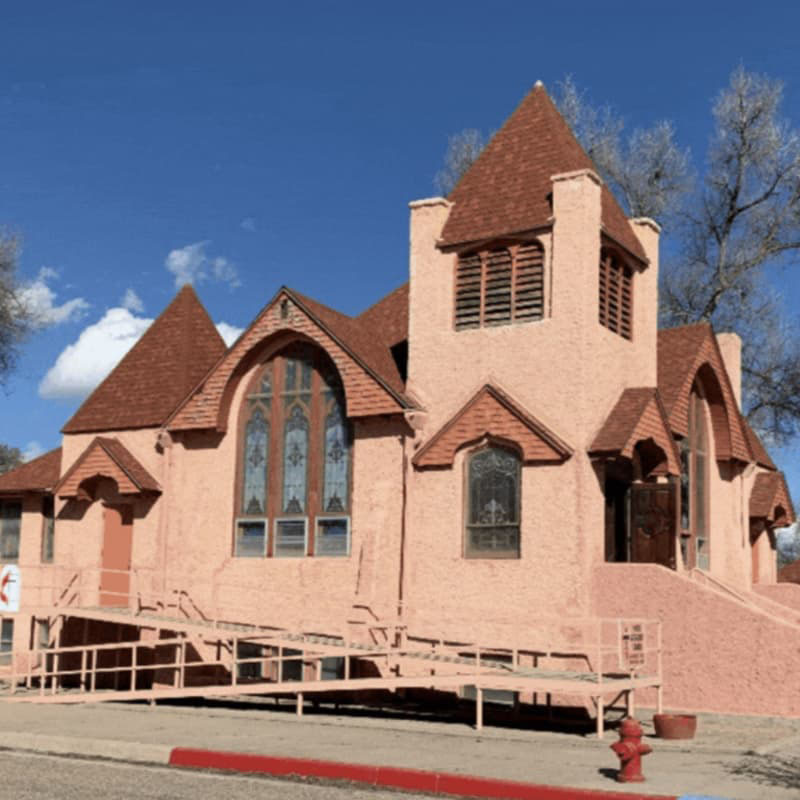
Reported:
(9, 588)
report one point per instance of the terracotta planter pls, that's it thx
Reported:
(675, 726)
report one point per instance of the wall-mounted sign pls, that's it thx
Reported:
(633, 645)
(9, 588)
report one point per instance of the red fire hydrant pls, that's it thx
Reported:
(630, 750)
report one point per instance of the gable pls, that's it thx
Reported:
(157, 373)
(371, 381)
(770, 500)
(108, 458)
(507, 189)
(638, 415)
(689, 352)
(491, 413)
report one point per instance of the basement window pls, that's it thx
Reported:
(251, 538)
(500, 286)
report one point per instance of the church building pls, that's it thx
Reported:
(505, 440)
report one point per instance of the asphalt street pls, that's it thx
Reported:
(30, 776)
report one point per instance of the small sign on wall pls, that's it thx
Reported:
(9, 588)
(633, 645)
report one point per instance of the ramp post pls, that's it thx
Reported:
(299, 704)
(478, 708)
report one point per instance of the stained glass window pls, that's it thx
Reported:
(48, 529)
(295, 461)
(10, 516)
(337, 457)
(493, 499)
(256, 447)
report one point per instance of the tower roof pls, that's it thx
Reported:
(157, 373)
(507, 189)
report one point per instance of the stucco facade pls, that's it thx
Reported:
(550, 398)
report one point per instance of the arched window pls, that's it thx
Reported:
(293, 493)
(492, 525)
(694, 485)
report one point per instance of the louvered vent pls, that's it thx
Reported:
(468, 292)
(529, 283)
(496, 287)
(616, 296)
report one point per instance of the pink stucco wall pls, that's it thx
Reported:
(787, 594)
(719, 654)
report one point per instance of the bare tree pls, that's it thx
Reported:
(10, 457)
(14, 315)
(647, 171)
(742, 227)
(462, 150)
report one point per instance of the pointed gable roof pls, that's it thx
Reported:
(682, 352)
(638, 415)
(372, 382)
(760, 453)
(770, 499)
(491, 412)
(37, 475)
(157, 373)
(109, 458)
(507, 189)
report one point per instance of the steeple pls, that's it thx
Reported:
(507, 190)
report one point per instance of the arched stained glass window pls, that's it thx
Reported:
(295, 462)
(295, 468)
(492, 529)
(256, 457)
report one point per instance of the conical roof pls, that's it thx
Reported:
(507, 189)
(157, 373)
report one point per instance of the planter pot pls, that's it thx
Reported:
(675, 726)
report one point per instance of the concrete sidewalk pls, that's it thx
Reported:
(741, 758)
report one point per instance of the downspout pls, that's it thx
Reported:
(403, 510)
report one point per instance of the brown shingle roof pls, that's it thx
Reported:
(159, 371)
(770, 494)
(364, 339)
(637, 415)
(759, 451)
(682, 351)
(507, 189)
(389, 316)
(38, 475)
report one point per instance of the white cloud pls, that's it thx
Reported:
(82, 365)
(32, 450)
(85, 362)
(248, 224)
(39, 300)
(229, 333)
(191, 264)
(132, 301)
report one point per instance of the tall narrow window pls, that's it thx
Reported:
(6, 640)
(616, 295)
(10, 518)
(48, 529)
(694, 485)
(492, 529)
(700, 479)
(500, 286)
(295, 460)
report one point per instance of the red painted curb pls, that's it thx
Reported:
(395, 777)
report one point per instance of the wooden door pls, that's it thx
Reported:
(116, 556)
(653, 523)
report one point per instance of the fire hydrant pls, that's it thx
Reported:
(629, 750)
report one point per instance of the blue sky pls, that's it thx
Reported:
(247, 144)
